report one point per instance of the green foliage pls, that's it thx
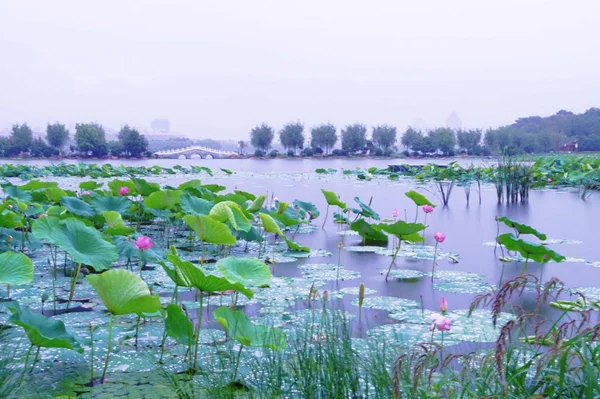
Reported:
(241, 329)
(368, 231)
(404, 231)
(123, 292)
(248, 271)
(132, 142)
(323, 136)
(333, 199)
(384, 136)
(292, 136)
(529, 250)
(42, 331)
(522, 228)
(209, 229)
(84, 244)
(57, 135)
(21, 139)
(15, 269)
(178, 326)
(354, 137)
(261, 137)
(78, 207)
(418, 198)
(90, 139)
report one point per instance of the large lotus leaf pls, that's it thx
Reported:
(10, 219)
(209, 229)
(127, 250)
(116, 184)
(403, 230)
(215, 188)
(269, 224)
(418, 198)
(536, 252)
(33, 185)
(166, 199)
(115, 224)
(57, 211)
(522, 228)
(178, 326)
(90, 185)
(240, 328)
(333, 199)
(195, 183)
(84, 244)
(223, 213)
(288, 216)
(242, 222)
(78, 207)
(249, 196)
(194, 205)
(257, 204)
(295, 246)
(308, 207)
(369, 232)
(145, 188)
(248, 271)
(233, 197)
(55, 194)
(14, 192)
(124, 292)
(365, 210)
(42, 331)
(251, 235)
(15, 268)
(119, 204)
(188, 275)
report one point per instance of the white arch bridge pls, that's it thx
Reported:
(202, 152)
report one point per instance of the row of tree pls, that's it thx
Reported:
(89, 140)
(324, 137)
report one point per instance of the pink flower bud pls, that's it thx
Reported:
(86, 192)
(395, 213)
(439, 237)
(427, 208)
(443, 305)
(124, 190)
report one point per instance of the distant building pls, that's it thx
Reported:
(571, 146)
(454, 122)
(161, 125)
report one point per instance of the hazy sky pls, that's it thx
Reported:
(217, 68)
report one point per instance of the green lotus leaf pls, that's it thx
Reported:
(90, 185)
(249, 196)
(14, 192)
(308, 207)
(418, 198)
(269, 224)
(194, 205)
(124, 292)
(55, 194)
(78, 207)
(222, 212)
(248, 271)
(145, 188)
(166, 199)
(522, 228)
(11, 220)
(365, 210)
(368, 231)
(250, 235)
(42, 331)
(215, 188)
(178, 326)
(15, 268)
(241, 329)
(196, 183)
(209, 229)
(295, 246)
(403, 230)
(33, 185)
(257, 204)
(116, 184)
(119, 204)
(56, 211)
(188, 275)
(242, 222)
(84, 244)
(115, 224)
(529, 250)
(333, 199)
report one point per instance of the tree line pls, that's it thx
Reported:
(89, 140)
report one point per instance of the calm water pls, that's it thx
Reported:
(559, 214)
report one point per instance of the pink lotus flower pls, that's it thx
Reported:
(124, 190)
(549, 180)
(143, 243)
(427, 208)
(439, 237)
(395, 213)
(443, 305)
(86, 192)
(325, 295)
(440, 322)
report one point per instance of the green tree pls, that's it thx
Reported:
(354, 137)
(469, 141)
(261, 137)
(39, 149)
(115, 148)
(292, 136)
(410, 138)
(21, 138)
(425, 145)
(323, 136)
(384, 136)
(242, 145)
(132, 142)
(57, 135)
(444, 140)
(90, 139)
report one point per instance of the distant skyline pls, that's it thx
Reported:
(216, 69)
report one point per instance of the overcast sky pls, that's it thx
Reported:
(217, 68)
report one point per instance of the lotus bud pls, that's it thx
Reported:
(340, 245)
(361, 294)
(325, 295)
(443, 305)
(9, 239)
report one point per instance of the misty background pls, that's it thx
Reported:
(217, 69)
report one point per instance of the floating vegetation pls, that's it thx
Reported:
(326, 272)
(388, 303)
(463, 287)
(405, 274)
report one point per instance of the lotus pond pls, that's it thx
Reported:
(198, 282)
